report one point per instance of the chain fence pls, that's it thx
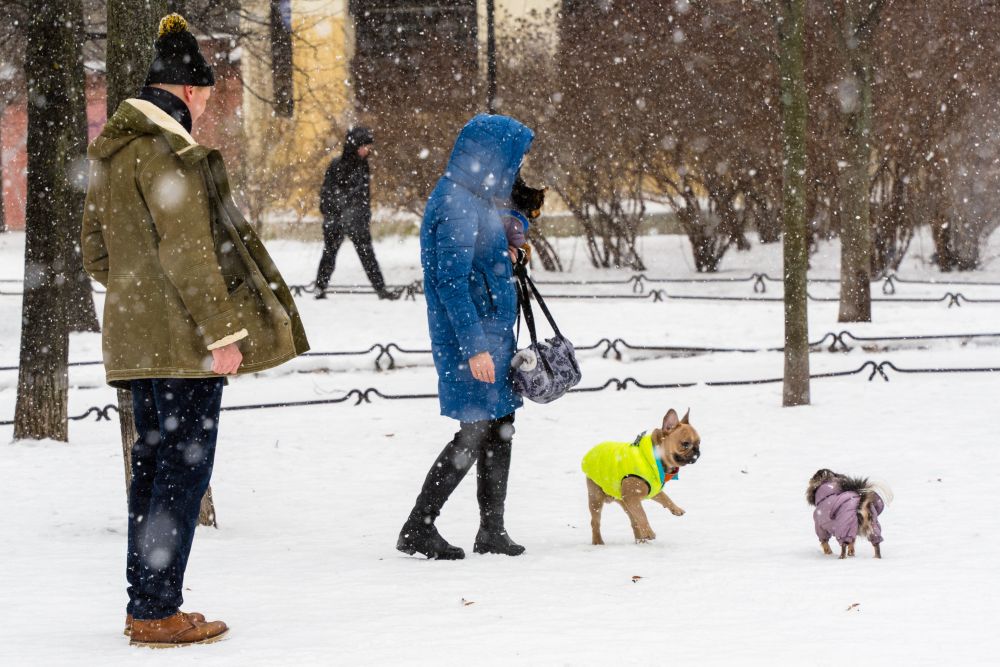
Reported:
(874, 369)
(843, 341)
(638, 283)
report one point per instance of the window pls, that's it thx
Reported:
(423, 45)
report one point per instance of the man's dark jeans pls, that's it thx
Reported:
(177, 422)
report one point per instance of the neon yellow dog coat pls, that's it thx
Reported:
(609, 463)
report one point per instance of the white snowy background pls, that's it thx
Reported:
(310, 499)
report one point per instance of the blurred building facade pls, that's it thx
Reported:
(299, 103)
(288, 86)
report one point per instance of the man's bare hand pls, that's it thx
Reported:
(226, 360)
(482, 368)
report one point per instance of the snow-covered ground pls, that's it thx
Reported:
(303, 566)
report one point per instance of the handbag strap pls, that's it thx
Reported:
(526, 283)
(524, 301)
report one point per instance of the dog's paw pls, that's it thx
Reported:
(677, 511)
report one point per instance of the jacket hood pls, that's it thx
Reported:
(487, 155)
(356, 138)
(135, 118)
(826, 490)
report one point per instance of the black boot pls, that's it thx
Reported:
(491, 541)
(491, 477)
(387, 295)
(426, 540)
(419, 534)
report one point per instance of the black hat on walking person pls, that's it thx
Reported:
(356, 138)
(178, 59)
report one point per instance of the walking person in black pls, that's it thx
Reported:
(346, 205)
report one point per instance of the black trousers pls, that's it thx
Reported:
(486, 444)
(334, 234)
(177, 422)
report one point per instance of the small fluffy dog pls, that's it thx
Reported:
(846, 507)
(630, 472)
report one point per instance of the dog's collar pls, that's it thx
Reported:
(659, 464)
(663, 471)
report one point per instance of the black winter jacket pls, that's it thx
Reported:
(345, 196)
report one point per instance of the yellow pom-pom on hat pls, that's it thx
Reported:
(172, 23)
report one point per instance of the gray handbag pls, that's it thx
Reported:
(544, 370)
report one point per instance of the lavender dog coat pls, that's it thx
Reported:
(836, 514)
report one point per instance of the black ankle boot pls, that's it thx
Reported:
(496, 542)
(427, 541)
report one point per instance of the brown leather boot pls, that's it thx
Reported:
(195, 616)
(178, 630)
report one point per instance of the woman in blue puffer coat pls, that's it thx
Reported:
(471, 312)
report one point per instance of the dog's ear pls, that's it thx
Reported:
(670, 421)
(686, 415)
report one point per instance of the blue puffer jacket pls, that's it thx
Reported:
(471, 302)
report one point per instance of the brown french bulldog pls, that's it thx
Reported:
(628, 473)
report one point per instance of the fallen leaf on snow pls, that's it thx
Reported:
(466, 603)
(636, 578)
(853, 606)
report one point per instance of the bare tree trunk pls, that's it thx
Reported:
(126, 419)
(796, 256)
(79, 295)
(56, 143)
(3, 215)
(544, 250)
(131, 32)
(859, 18)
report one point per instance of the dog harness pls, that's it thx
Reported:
(609, 463)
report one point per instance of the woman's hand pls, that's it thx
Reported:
(482, 368)
(519, 256)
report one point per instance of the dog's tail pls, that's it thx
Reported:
(882, 489)
(866, 511)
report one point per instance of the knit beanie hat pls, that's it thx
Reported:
(178, 59)
(357, 137)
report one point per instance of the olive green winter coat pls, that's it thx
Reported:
(184, 272)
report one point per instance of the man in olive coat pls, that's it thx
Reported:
(192, 296)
